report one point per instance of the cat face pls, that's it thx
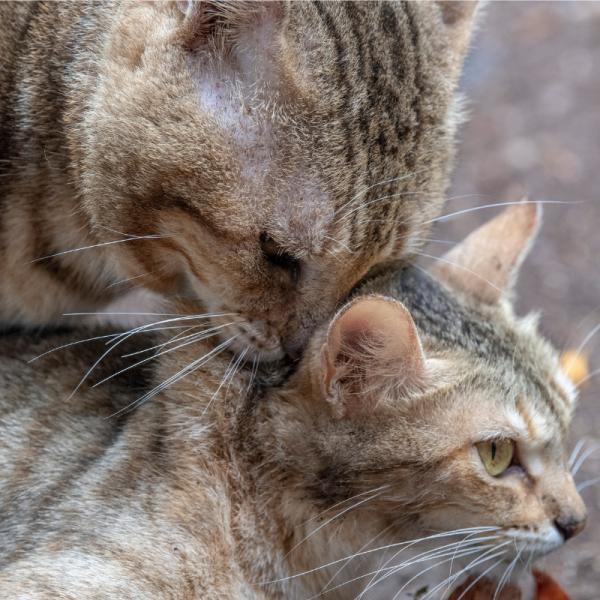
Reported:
(274, 152)
(445, 411)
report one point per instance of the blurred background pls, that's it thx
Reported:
(533, 86)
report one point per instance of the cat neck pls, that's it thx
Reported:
(246, 440)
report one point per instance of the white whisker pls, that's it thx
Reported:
(453, 550)
(449, 581)
(101, 244)
(481, 576)
(379, 199)
(126, 280)
(586, 484)
(477, 561)
(196, 338)
(507, 573)
(193, 366)
(336, 516)
(349, 560)
(575, 453)
(63, 346)
(230, 373)
(588, 377)
(584, 456)
(454, 264)
(494, 205)
(455, 532)
(378, 184)
(392, 571)
(122, 338)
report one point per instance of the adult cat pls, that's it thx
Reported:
(258, 156)
(443, 412)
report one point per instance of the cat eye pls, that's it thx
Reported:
(276, 256)
(496, 455)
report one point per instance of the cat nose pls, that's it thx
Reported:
(570, 526)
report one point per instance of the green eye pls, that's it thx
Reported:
(496, 455)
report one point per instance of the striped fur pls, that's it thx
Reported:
(229, 491)
(325, 127)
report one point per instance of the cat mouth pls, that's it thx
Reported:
(255, 339)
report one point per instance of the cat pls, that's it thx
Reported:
(258, 156)
(425, 409)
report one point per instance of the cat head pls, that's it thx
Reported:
(273, 152)
(433, 407)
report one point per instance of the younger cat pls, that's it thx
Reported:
(437, 414)
(260, 156)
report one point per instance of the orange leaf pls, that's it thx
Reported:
(547, 588)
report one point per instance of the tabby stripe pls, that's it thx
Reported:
(54, 266)
(354, 19)
(417, 81)
(7, 125)
(344, 84)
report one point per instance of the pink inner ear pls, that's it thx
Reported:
(375, 321)
(365, 340)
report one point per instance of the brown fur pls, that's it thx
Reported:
(319, 130)
(227, 491)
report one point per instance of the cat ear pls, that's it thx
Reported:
(486, 263)
(370, 340)
(205, 18)
(458, 17)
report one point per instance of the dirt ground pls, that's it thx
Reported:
(533, 84)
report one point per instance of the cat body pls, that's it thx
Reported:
(258, 156)
(396, 423)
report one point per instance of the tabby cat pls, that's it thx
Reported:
(258, 156)
(429, 408)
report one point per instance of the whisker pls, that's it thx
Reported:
(391, 571)
(127, 279)
(63, 346)
(171, 340)
(587, 484)
(379, 199)
(319, 515)
(336, 516)
(112, 314)
(196, 338)
(194, 365)
(507, 573)
(449, 581)
(495, 205)
(481, 576)
(575, 453)
(584, 456)
(344, 246)
(454, 264)
(378, 184)
(585, 341)
(475, 562)
(452, 549)
(254, 370)
(455, 532)
(228, 377)
(349, 560)
(101, 244)
(588, 377)
(122, 338)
